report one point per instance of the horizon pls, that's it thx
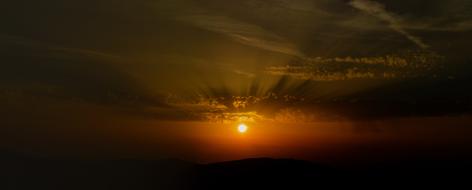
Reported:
(341, 82)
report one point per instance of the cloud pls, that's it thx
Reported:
(215, 109)
(244, 33)
(378, 10)
(244, 73)
(164, 51)
(54, 49)
(229, 109)
(412, 64)
(37, 69)
(440, 24)
(292, 115)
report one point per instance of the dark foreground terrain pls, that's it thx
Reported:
(21, 172)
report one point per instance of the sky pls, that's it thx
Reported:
(312, 79)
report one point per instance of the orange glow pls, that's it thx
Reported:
(242, 128)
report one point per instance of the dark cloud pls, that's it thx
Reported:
(68, 72)
(134, 54)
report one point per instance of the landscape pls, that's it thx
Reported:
(247, 94)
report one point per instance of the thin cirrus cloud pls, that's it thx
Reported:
(378, 10)
(441, 24)
(19, 41)
(244, 33)
(244, 73)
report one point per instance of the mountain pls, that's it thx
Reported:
(23, 172)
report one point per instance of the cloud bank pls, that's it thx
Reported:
(409, 65)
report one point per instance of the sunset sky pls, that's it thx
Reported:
(325, 80)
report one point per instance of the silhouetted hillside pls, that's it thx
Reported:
(22, 172)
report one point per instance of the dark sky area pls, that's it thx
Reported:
(313, 79)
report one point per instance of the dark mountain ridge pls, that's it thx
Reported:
(23, 172)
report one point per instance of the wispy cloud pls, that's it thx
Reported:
(440, 24)
(244, 73)
(54, 49)
(378, 10)
(245, 33)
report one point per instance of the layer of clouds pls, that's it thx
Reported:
(86, 69)
(281, 108)
(408, 65)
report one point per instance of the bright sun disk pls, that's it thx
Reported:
(242, 128)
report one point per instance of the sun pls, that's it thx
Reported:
(242, 128)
